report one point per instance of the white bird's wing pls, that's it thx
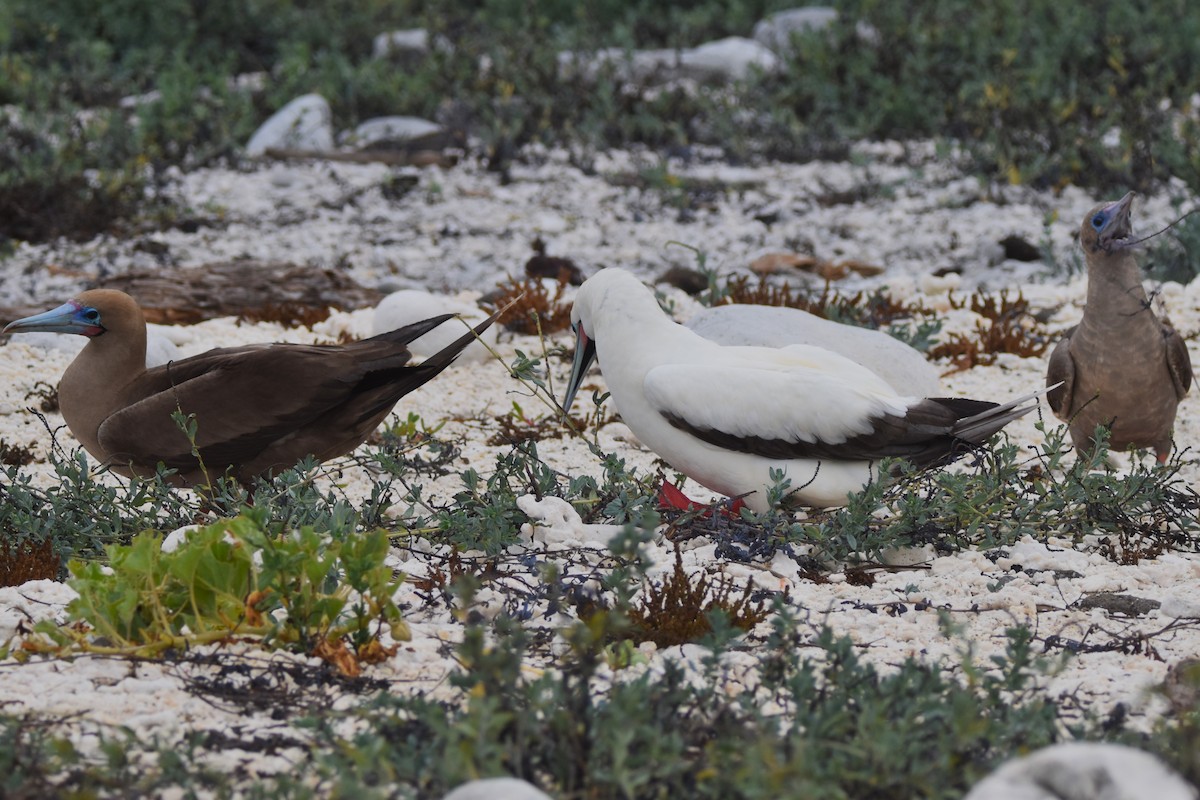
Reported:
(793, 394)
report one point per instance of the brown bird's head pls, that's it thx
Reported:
(91, 314)
(1107, 227)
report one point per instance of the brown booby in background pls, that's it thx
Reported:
(258, 408)
(1121, 367)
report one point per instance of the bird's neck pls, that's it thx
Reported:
(1115, 291)
(94, 384)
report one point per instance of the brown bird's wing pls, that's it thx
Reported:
(1062, 371)
(1179, 363)
(244, 400)
(269, 404)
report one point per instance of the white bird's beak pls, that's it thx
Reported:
(585, 352)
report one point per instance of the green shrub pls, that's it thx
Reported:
(304, 590)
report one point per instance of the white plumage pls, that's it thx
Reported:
(726, 416)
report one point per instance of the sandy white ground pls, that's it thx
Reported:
(461, 230)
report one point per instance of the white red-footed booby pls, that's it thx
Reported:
(1121, 366)
(727, 415)
(258, 408)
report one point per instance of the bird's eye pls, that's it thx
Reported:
(1098, 221)
(91, 315)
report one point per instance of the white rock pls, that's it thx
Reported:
(776, 30)
(556, 522)
(159, 349)
(1178, 607)
(44, 340)
(412, 305)
(175, 538)
(1083, 771)
(396, 129)
(732, 58)
(908, 556)
(497, 789)
(306, 123)
(940, 284)
(636, 65)
(412, 40)
(903, 367)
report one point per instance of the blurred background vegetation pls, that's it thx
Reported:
(1040, 92)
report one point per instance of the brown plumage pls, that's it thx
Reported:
(541, 265)
(1121, 366)
(258, 408)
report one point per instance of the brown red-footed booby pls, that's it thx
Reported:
(258, 408)
(727, 415)
(1121, 366)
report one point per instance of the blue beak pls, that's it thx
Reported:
(585, 351)
(67, 318)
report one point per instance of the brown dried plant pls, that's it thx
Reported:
(868, 309)
(15, 455)
(531, 306)
(46, 394)
(27, 561)
(677, 610)
(1007, 330)
(289, 314)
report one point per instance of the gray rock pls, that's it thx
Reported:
(390, 129)
(903, 367)
(303, 124)
(775, 32)
(1083, 771)
(732, 58)
(636, 65)
(497, 789)
(413, 40)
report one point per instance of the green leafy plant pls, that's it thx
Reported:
(1004, 495)
(301, 591)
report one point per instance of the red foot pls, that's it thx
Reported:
(670, 498)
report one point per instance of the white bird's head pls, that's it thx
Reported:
(609, 299)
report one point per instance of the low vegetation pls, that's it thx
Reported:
(98, 101)
(306, 573)
(91, 121)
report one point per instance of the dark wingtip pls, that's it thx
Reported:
(445, 357)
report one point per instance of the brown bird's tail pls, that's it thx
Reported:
(445, 357)
(382, 388)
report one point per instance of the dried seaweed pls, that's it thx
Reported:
(439, 580)
(1010, 328)
(289, 314)
(859, 576)
(15, 455)
(47, 394)
(28, 561)
(531, 307)
(677, 610)
(875, 309)
(253, 290)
